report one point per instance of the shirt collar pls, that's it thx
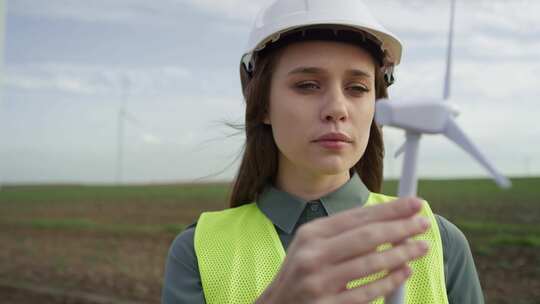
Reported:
(284, 209)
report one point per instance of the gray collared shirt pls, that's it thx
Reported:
(182, 282)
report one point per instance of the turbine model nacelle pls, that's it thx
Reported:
(421, 116)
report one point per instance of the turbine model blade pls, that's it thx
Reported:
(421, 116)
(455, 134)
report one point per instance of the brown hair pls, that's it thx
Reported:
(260, 158)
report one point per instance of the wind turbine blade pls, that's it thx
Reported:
(132, 119)
(147, 136)
(400, 150)
(455, 134)
(448, 73)
(150, 138)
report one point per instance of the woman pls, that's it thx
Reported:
(309, 178)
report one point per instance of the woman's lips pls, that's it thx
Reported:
(335, 136)
(334, 140)
(333, 144)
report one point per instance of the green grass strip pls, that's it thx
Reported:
(88, 225)
(491, 227)
(513, 240)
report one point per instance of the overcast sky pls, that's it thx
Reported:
(71, 64)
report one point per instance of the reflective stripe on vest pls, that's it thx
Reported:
(239, 253)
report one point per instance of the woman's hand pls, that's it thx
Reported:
(329, 252)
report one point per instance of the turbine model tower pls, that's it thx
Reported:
(428, 116)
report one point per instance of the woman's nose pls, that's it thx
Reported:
(335, 106)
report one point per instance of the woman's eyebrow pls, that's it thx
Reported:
(315, 70)
(359, 73)
(307, 70)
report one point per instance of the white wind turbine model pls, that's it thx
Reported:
(428, 116)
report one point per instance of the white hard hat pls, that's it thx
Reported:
(284, 16)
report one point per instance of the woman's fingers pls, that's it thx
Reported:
(343, 221)
(373, 290)
(327, 253)
(361, 240)
(375, 262)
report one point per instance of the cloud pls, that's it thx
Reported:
(495, 67)
(503, 81)
(97, 10)
(57, 82)
(94, 79)
(134, 11)
(400, 15)
(244, 10)
(415, 19)
(479, 81)
(491, 46)
(508, 16)
(150, 138)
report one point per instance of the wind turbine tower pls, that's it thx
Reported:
(2, 41)
(120, 135)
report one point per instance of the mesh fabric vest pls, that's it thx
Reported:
(239, 253)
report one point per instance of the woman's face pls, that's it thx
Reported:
(321, 88)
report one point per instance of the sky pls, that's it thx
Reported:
(70, 66)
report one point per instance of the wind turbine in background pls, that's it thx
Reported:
(428, 116)
(120, 134)
(2, 40)
(123, 117)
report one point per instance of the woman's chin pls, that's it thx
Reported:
(332, 167)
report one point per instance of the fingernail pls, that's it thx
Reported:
(423, 245)
(424, 222)
(416, 204)
(407, 272)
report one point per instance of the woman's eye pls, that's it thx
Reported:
(357, 89)
(307, 86)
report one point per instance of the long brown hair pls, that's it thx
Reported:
(260, 157)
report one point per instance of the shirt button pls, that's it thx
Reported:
(314, 207)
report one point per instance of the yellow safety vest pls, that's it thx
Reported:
(239, 253)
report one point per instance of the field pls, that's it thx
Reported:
(105, 244)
